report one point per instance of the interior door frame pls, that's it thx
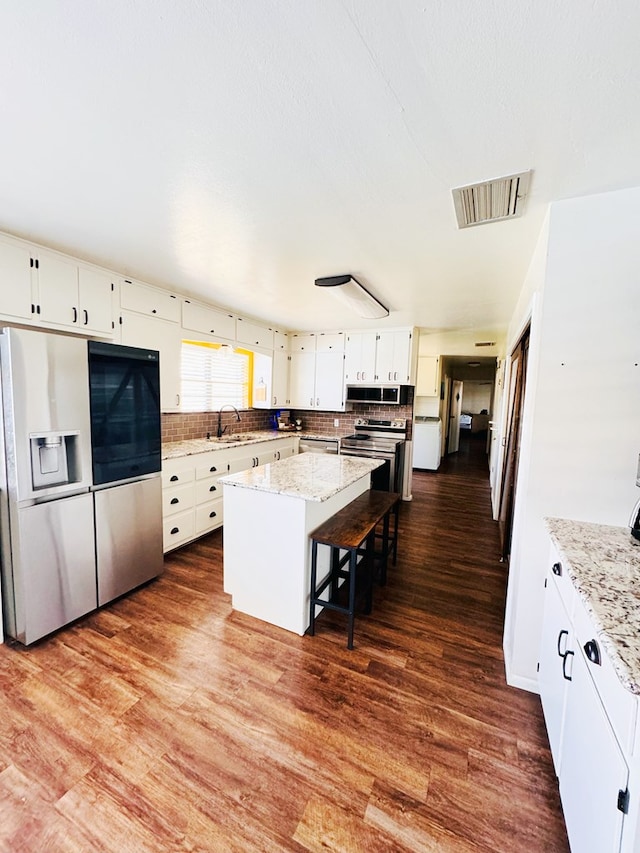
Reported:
(518, 361)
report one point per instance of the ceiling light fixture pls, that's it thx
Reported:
(355, 295)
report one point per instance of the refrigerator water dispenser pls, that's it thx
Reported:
(52, 459)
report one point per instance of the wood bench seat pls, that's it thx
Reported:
(354, 530)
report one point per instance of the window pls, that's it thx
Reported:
(214, 375)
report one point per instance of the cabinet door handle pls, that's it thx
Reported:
(566, 634)
(564, 666)
(175, 530)
(213, 469)
(75, 314)
(175, 500)
(556, 568)
(213, 514)
(318, 402)
(86, 316)
(174, 479)
(212, 488)
(592, 651)
(311, 401)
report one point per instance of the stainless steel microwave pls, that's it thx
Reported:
(387, 395)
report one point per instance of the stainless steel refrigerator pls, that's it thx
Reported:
(67, 544)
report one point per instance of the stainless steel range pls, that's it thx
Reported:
(379, 439)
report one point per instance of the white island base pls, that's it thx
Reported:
(269, 513)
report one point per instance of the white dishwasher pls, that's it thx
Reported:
(427, 440)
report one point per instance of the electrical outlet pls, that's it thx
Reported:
(336, 422)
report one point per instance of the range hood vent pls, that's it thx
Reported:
(491, 201)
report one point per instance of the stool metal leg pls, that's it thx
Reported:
(312, 594)
(352, 594)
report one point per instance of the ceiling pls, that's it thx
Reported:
(238, 149)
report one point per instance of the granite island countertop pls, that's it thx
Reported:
(604, 567)
(308, 476)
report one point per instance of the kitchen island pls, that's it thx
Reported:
(269, 512)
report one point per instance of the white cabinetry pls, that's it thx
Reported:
(140, 330)
(590, 719)
(393, 357)
(427, 384)
(53, 290)
(379, 358)
(253, 335)
(149, 300)
(192, 502)
(201, 318)
(316, 372)
(16, 299)
(360, 358)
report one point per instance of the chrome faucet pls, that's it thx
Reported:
(221, 429)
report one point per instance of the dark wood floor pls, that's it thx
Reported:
(166, 722)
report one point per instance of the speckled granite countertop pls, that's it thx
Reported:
(604, 567)
(309, 476)
(175, 449)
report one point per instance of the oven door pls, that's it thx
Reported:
(383, 478)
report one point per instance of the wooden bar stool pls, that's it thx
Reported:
(353, 530)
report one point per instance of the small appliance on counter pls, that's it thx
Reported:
(284, 421)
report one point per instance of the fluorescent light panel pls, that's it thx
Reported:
(357, 297)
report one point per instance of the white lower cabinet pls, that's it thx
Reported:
(591, 723)
(192, 502)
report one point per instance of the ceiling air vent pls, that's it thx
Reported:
(491, 201)
(485, 343)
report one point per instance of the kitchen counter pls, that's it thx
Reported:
(191, 446)
(604, 567)
(308, 476)
(269, 512)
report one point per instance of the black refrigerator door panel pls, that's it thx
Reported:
(124, 384)
(128, 536)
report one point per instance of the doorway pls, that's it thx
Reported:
(513, 430)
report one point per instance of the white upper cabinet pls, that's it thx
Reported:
(52, 290)
(360, 358)
(16, 299)
(393, 357)
(149, 300)
(148, 332)
(330, 342)
(280, 379)
(302, 342)
(302, 379)
(253, 335)
(329, 380)
(201, 318)
(78, 297)
(280, 341)
(427, 379)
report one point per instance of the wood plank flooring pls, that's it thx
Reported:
(167, 722)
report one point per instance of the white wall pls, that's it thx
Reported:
(581, 420)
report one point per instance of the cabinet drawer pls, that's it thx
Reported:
(177, 529)
(171, 478)
(178, 499)
(620, 703)
(209, 516)
(208, 490)
(564, 585)
(214, 465)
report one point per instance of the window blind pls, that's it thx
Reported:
(213, 376)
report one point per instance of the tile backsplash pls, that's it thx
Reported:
(180, 427)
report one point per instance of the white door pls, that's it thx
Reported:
(454, 416)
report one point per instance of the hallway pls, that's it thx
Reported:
(168, 722)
